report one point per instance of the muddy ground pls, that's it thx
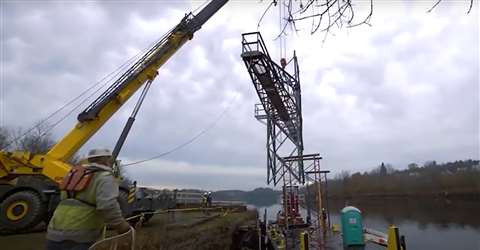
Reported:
(166, 231)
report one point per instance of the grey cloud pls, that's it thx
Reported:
(60, 48)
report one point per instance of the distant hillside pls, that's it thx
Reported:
(258, 196)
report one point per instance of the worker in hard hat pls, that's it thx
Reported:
(88, 202)
(204, 199)
(209, 199)
(205, 203)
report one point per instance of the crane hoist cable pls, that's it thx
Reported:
(108, 78)
(119, 70)
(51, 115)
(88, 97)
(105, 80)
(93, 108)
(192, 139)
(114, 73)
(123, 68)
(200, 6)
(111, 76)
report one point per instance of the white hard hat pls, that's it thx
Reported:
(98, 152)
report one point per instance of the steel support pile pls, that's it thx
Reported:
(316, 201)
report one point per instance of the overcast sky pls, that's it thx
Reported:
(404, 90)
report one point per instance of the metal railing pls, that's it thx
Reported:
(253, 41)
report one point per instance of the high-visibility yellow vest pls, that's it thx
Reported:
(78, 212)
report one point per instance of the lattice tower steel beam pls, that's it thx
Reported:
(280, 109)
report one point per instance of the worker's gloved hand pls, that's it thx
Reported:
(123, 227)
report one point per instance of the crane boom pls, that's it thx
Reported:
(52, 164)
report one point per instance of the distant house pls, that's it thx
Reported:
(414, 174)
(447, 172)
(463, 169)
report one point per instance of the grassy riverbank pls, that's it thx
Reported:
(194, 230)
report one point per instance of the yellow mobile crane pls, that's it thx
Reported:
(28, 182)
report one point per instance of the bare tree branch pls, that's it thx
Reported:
(367, 18)
(438, 2)
(433, 7)
(329, 13)
(319, 14)
(470, 8)
(4, 137)
(326, 15)
(273, 3)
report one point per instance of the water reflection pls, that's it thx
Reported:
(441, 214)
(428, 224)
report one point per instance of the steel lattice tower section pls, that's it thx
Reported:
(280, 109)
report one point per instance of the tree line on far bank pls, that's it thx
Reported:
(452, 179)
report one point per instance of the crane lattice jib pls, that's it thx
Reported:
(52, 164)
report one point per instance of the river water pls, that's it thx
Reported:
(427, 224)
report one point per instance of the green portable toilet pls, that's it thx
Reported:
(352, 228)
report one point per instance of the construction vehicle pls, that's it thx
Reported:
(29, 182)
